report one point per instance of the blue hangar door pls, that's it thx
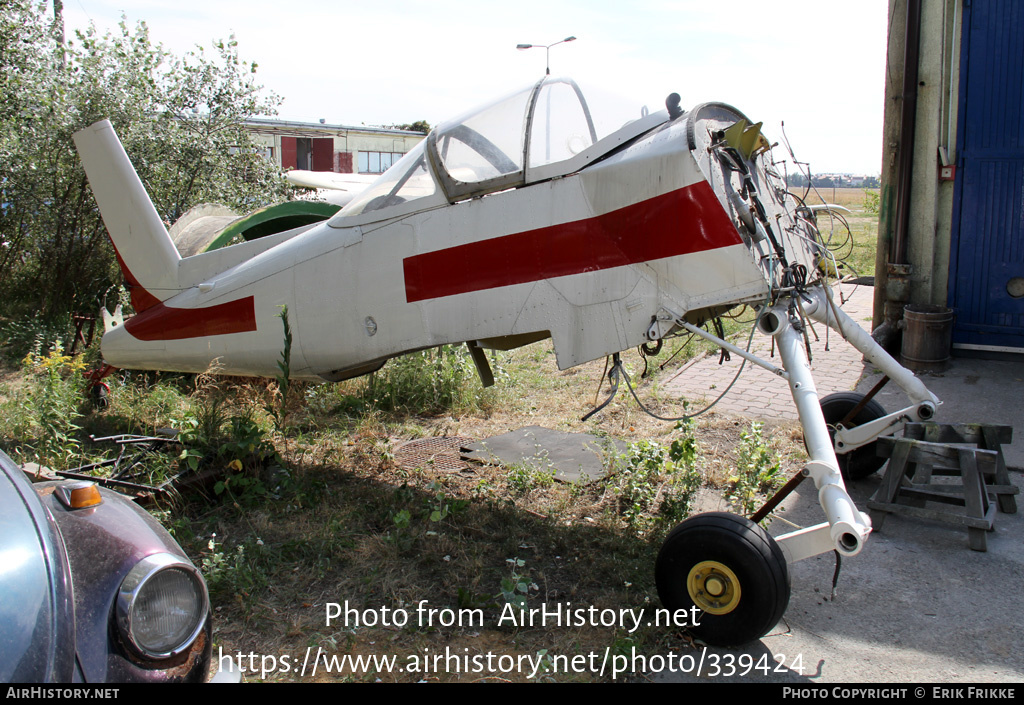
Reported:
(986, 274)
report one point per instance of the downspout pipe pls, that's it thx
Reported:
(897, 281)
(908, 118)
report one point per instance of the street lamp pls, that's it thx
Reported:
(547, 49)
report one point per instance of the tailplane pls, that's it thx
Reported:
(148, 257)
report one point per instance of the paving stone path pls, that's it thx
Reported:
(760, 394)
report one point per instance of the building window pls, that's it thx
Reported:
(377, 162)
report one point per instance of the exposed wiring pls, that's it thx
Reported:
(707, 408)
(618, 371)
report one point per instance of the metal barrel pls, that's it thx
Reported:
(927, 336)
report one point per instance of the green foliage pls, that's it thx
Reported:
(685, 478)
(637, 482)
(418, 126)
(758, 471)
(515, 589)
(523, 477)
(145, 403)
(33, 334)
(401, 519)
(179, 118)
(440, 505)
(871, 202)
(428, 381)
(280, 410)
(45, 413)
(212, 435)
(655, 486)
(230, 573)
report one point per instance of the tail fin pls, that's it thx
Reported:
(148, 257)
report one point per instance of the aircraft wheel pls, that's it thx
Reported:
(859, 462)
(730, 570)
(100, 396)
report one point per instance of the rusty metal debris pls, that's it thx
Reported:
(127, 470)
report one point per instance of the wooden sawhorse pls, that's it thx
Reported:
(930, 449)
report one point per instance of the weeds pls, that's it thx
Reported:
(36, 335)
(279, 411)
(428, 381)
(515, 589)
(655, 486)
(758, 471)
(213, 435)
(439, 505)
(871, 201)
(523, 477)
(232, 573)
(49, 407)
(143, 404)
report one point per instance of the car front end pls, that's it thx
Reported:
(95, 590)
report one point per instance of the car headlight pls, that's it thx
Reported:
(161, 606)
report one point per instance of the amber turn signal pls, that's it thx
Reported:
(79, 495)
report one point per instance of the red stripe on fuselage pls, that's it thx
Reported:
(153, 320)
(677, 223)
(163, 322)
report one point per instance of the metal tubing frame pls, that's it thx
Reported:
(817, 304)
(734, 349)
(847, 527)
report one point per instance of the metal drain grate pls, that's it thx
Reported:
(441, 453)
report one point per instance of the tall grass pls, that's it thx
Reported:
(431, 381)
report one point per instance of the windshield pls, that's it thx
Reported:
(494, 147)
(487, 142)
(562, 126)
(408, 179)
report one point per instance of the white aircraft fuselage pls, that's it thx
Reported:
(526, 219)
(588, 258)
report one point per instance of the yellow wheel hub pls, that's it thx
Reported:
(713, 587)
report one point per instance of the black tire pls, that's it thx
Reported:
(747, 566)
(859, 462)
(100, 396)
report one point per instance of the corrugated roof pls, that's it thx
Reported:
(312, 129)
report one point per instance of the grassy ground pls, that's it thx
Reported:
(335, 519)
(314, 510)
(861, 223)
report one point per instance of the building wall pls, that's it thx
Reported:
(970, 219)
(347, 143)
(931, 199)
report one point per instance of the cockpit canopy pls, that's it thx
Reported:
(546, 130)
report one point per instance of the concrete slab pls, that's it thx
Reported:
(574, 456)
(915, 606)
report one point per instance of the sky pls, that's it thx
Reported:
(818, 66)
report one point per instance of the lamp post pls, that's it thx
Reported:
(547, 50)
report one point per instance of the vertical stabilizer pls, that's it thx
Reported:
(145, 251)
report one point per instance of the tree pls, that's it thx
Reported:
(418, 126)
(180, 120)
